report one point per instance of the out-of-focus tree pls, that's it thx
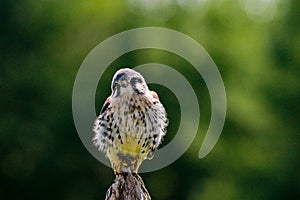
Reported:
(255, 44)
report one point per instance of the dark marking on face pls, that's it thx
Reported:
(116, 90)
(136, 84)
(118, 77)
(134, 81)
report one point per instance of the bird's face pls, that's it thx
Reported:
(128, 81)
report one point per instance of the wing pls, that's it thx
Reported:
(154, 95)
(105, 105)
(158, 113)
(100, 128)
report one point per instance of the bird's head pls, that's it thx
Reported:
(128, 81)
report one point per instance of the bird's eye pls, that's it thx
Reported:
(135, 80)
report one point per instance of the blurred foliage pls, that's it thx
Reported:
(255, 44)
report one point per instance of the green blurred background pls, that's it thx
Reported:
(255, 44)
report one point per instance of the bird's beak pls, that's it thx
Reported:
(123, 83)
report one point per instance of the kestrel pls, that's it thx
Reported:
(131, 124)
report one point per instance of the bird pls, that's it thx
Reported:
(131, 124)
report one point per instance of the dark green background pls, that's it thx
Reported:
(44, 42)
